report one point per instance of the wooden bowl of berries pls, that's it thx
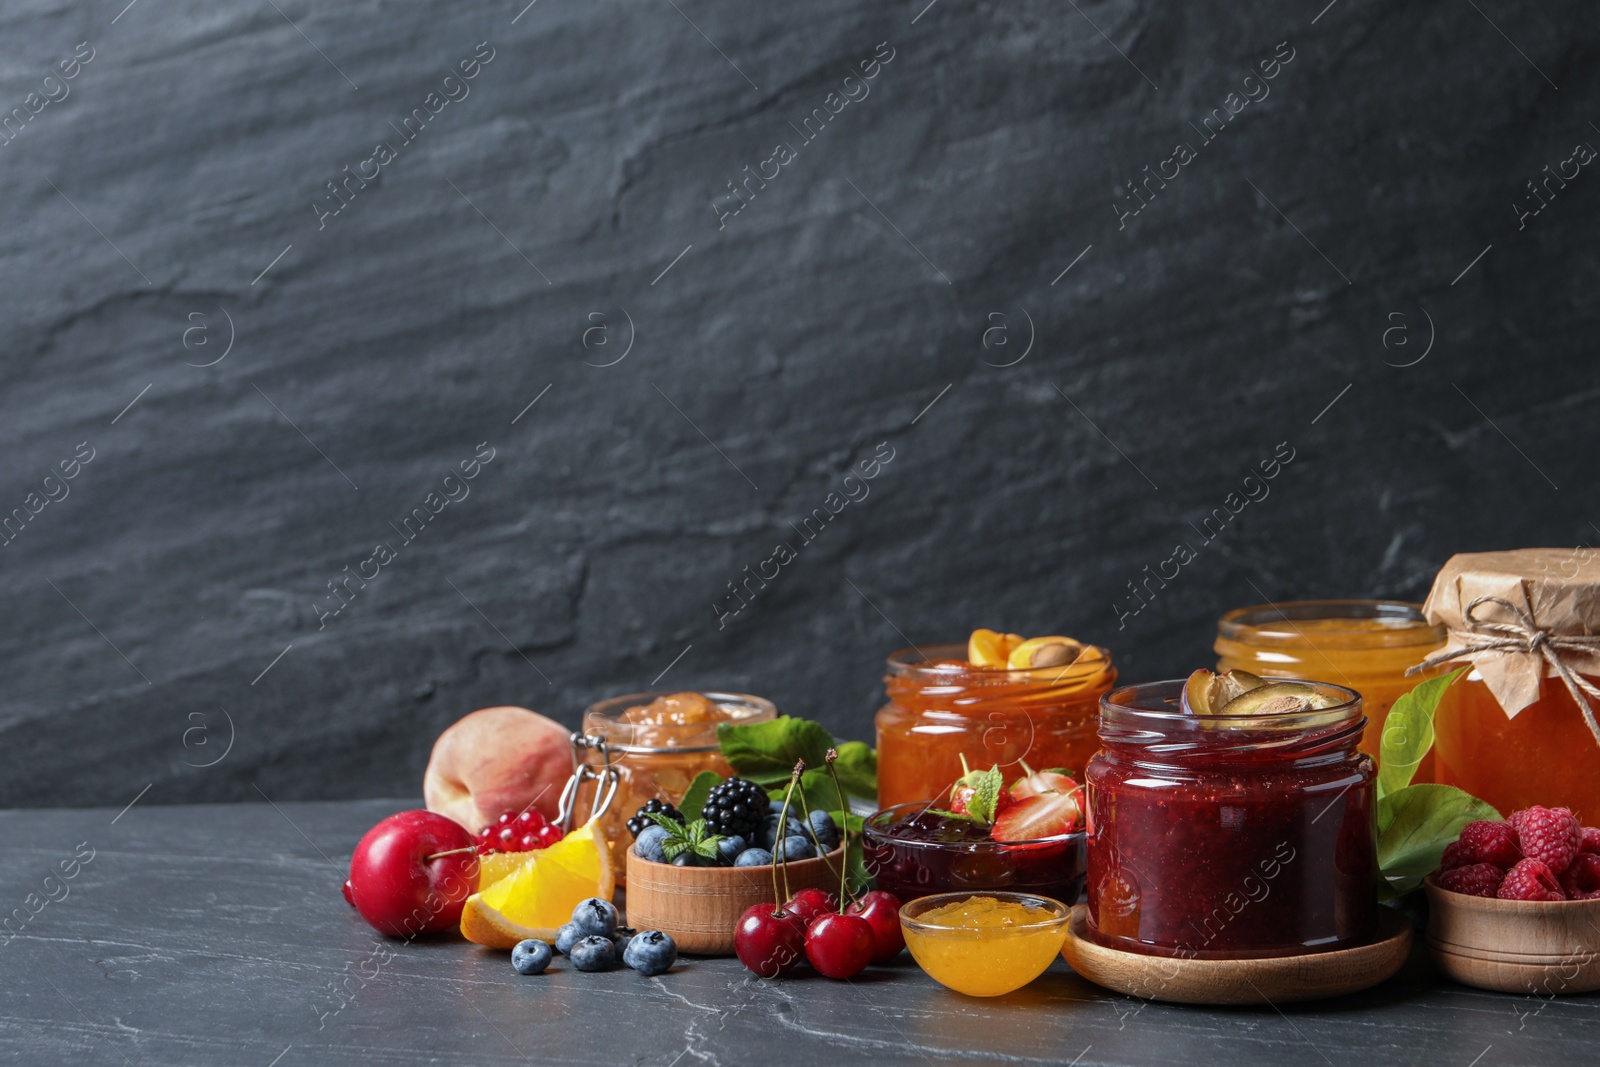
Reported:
(694, 877)
(1515, 905)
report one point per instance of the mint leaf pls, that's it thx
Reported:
(674, 847)
(857, 766)
(987, 796)
(694, 800)
(673, 827)
(1416, 823)
(765, 752)
(708, 847)
(1408, 733)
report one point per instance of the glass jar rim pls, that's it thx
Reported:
(1148, 715)
(920, 663)
(610, 710)
(911, 911)
(1272, 623)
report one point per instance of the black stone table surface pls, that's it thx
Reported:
(217, 934)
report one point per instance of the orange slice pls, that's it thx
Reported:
(538, 897)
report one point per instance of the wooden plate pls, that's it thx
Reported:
(1281, 979)
(1515, 946)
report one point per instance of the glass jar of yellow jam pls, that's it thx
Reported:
(1365, 645)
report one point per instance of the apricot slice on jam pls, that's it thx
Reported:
(988, 648)
(1206, 693)
(1044, 652)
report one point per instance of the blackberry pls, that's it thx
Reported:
(652, 806)
(736, 808)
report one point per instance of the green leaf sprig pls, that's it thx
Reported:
(766, 753)
(1416, 822)
(685, 837)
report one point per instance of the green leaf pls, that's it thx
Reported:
(708, 847)
(857, 766)
(1408, 733)
(1416, 823)
(675, 829)
(674, 847)
(765, 752)
(694, 800)
(986, 799)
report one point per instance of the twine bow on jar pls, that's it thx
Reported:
(1524, 636)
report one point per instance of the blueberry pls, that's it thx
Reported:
(595, 916)
(823, 831)
(690, 858)
(768, 832)
(531, 957)
(729, 848)
(566, 937)
(651, 953)
(795, 848)
(594, 953)
(753, 857)
(775, 806)
(650, 844)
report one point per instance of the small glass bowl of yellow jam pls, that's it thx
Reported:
(984, 944)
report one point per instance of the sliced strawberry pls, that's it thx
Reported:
(1035, 783)
(1043, 815)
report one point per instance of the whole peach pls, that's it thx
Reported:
(497, 760)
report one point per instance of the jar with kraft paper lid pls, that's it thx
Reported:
(1520, 728)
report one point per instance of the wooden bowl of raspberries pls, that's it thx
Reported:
(1515, 905)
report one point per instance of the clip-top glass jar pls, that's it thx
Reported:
(1227, 837)
(1367, 645)
(657, 743)
(941, 708)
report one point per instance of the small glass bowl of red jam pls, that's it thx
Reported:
(914, 851)
(1230, 836)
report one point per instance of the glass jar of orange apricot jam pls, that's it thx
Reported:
(940, 708)
(658, 742)
(1365, 645)
(1510, 731)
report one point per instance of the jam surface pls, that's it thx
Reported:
(916, 853)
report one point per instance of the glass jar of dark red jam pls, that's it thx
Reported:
(1230, 837)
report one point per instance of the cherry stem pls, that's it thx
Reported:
(845, 898)
(452, 852)
(777, 842)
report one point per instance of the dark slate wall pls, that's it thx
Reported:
(902, 281)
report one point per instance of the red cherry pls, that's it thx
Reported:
(769, 942)
(549, 834)
(881, 909)
(345, 889)
(840, 946)
(396, 886)
(811, 905)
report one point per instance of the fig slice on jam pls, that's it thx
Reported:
(1279, 698)
(1206, 693)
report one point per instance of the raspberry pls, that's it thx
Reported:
(1590, 841)
(1475, 880)
(1582, 877)
(1530, 880)
(1455, 855)
(1490, 842)
(1550, 835)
